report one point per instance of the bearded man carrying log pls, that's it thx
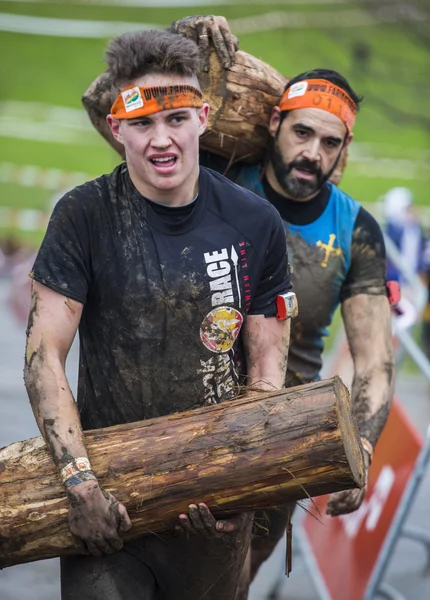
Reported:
(174, 276)
(338, 253)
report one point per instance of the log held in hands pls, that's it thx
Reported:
(239, 455)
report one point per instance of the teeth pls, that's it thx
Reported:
(163, 160)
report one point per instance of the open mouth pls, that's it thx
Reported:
(305, 173)
(164, 162)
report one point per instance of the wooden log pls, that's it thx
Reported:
(240, 455)
(241, 100)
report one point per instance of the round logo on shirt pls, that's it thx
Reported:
(220, 329)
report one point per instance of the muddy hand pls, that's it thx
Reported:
(201, 521)
(96, 518)
(342, 503)
(202, 29)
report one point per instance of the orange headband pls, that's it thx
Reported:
(320, 93)
(140, 101)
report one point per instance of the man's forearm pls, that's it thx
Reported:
(266, 345)
(367, 321)
(371, 394)
(54, 407)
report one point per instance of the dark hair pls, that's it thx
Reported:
(133, 55)
(329, 75)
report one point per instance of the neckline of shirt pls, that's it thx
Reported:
(192, 213)
(296, 212)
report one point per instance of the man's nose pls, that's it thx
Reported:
(160, 136)
(312, 152)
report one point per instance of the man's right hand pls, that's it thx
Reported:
(201, 29)
(97, 518)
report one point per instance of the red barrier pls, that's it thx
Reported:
(343, 551)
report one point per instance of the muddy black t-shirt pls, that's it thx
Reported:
(164, 300)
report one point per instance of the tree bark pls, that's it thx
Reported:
(240, 455)
(241, 100)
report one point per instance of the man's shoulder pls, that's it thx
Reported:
(234, 198)
(363, 218)
(343, 197)
(89, 196)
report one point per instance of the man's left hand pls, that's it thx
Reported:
(203, 29)
(201, 521)
(342, 503)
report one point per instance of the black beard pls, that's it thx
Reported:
(298, 188)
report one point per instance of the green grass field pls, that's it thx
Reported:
(40, 73)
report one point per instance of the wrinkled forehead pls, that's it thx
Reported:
(323, 123)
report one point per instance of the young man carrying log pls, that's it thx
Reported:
(173, 276)
(338, 251)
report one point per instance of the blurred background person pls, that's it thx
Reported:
(403, 227)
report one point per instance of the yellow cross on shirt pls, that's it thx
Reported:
(329, 250)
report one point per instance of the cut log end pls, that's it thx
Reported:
(350, 432)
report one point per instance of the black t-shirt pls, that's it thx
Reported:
(163, 301)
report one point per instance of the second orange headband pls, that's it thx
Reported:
(136, 101)
(320, 93)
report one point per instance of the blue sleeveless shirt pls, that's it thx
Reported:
(320, 255)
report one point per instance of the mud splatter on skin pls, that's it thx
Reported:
(30, 353)
(42, 389)
(33, 310)
(69, 305)
(371, 423)
(372, 427)
(360, 392)
(52, 438)
(90, 503)
(33, 361)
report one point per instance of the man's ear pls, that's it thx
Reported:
(203, 117)
(275, 121)
(115, 128)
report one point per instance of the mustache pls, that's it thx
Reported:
(308, 165)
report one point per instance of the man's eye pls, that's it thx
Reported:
(301, 133)
(141, 123)
(331, 144)
(177, 119)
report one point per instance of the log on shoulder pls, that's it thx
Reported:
(241, 100)
(240, 455)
